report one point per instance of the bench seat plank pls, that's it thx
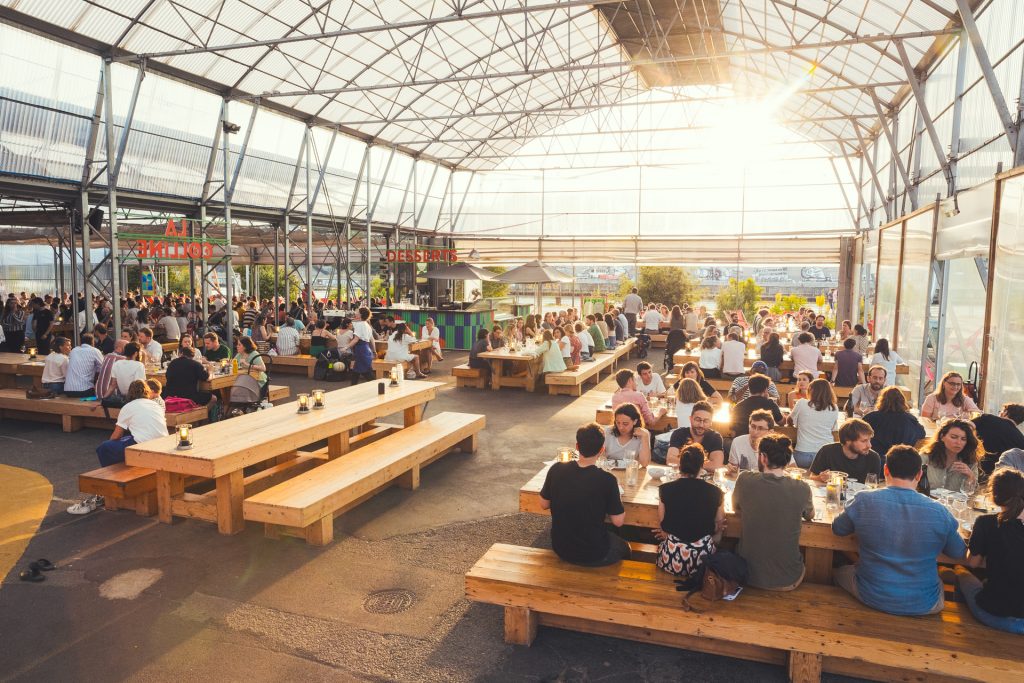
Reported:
(821, 621)
(466, 376)
(73, 413)
(318, 494)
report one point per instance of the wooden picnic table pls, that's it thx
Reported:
(525, 368)
(826, 365)
(223, 450)
(641, 507)
(10, 368)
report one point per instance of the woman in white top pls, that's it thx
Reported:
(687, 395)
(362, 345)
(127, 370)
(887, 359)
(433, 333)
(55, 367)
(815, 419)
(626, 436)
(949, 400)
(564, 344)
(398, 348)
(710, 358)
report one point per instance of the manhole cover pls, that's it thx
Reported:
(391, 601)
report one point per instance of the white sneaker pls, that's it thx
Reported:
(88, 505)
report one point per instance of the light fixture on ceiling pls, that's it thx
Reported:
(474, 254)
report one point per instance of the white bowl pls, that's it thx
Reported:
(658, 471)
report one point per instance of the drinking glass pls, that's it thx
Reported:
(871, 481)
(959, 507)
(832, 497)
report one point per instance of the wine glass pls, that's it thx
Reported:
(959, 507)
(871, 481)
(968, 487)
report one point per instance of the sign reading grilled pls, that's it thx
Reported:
(421, 255)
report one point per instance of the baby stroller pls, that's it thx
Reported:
(675, 341)
(643, 343)
(246, 396)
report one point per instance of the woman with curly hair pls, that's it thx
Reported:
(951, 456)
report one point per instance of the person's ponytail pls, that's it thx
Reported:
(1007, 487)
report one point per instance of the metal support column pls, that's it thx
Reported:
(922, 107)
(369, 224)
(891, 137)
(228, 192)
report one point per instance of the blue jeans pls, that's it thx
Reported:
(111, 452)
(970, 586)
(55, 387)
(804, 458)
(610, 341)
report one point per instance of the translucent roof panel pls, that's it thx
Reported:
(468, 84)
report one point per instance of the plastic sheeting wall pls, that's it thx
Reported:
(1004, 382)
(915, 297)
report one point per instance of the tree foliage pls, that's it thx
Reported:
(742, 295)
(495, 289)
(669, 285)
(625, 286)
(789, 303)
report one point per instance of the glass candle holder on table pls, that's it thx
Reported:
(318, 399)
(184, 433)
(303, 400)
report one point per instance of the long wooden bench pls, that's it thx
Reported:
(382, 368)
(73, 414)
(301, 364)
(306, 505)
(812, 629)
(571, 382)
(466, 376)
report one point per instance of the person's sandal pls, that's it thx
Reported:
(44, 565)
(32, 574)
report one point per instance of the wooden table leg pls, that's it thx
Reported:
(337, 445)
(230, 494)
(168, 485)
(496, 367)
(818, 564)
(413, 415)
(7, 381)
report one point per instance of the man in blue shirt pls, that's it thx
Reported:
(901, 533)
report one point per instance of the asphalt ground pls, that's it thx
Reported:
(136, 600)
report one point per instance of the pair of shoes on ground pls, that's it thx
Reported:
(35, 570)
(88, 505)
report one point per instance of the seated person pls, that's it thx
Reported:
(1013, 458)
(949, 399)
(848, 370)
(773, 507)
(102, 339)
(805, 354)
(249, 361)
(288, 338)
(84, 363)
(1014, 412)
(997, 544)
(106, 386)
(649, 381)
(734, 352)
(692, 371)
(627, 393)
(692, 516)
(626, 439)
(757, 399)
(586, 342)
(864, 397)
(951, 456)
(997, 433)
(700, 432)
(153, 352)
(743, 451)
(893, 423)
(738, 391)
(481, 346)
(318, 338)
(852, 454)
(184, 374)
(140, 419)
(213, 350)
(128, 369)
(167, 329)
(55, 367)
(580, 496)
(901, 534)
(398, 349)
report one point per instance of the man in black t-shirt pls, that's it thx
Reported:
(184, 374)
(699, 431)
(852, 454)
(820, 330)
(580, 496)
(758, 400)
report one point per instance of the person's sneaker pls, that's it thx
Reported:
(88, 505)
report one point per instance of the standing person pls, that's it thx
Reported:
(887, 359)
(84, 363)
(13, 322)
(852, 454)
(743, 451)
(632, 305)
(848, 371)
(815, 419)
(951, 456)
(997, 544)
(362, 346)
(55, 367)
(691, 513)
(864, 397)
(949, 399)
(773, 507)
(42, 325)
(892, 422)
(699, 432)
(627, 438)
(580, 496)
(901, 534)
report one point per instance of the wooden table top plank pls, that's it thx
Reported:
(230, 445)
(826, 365)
